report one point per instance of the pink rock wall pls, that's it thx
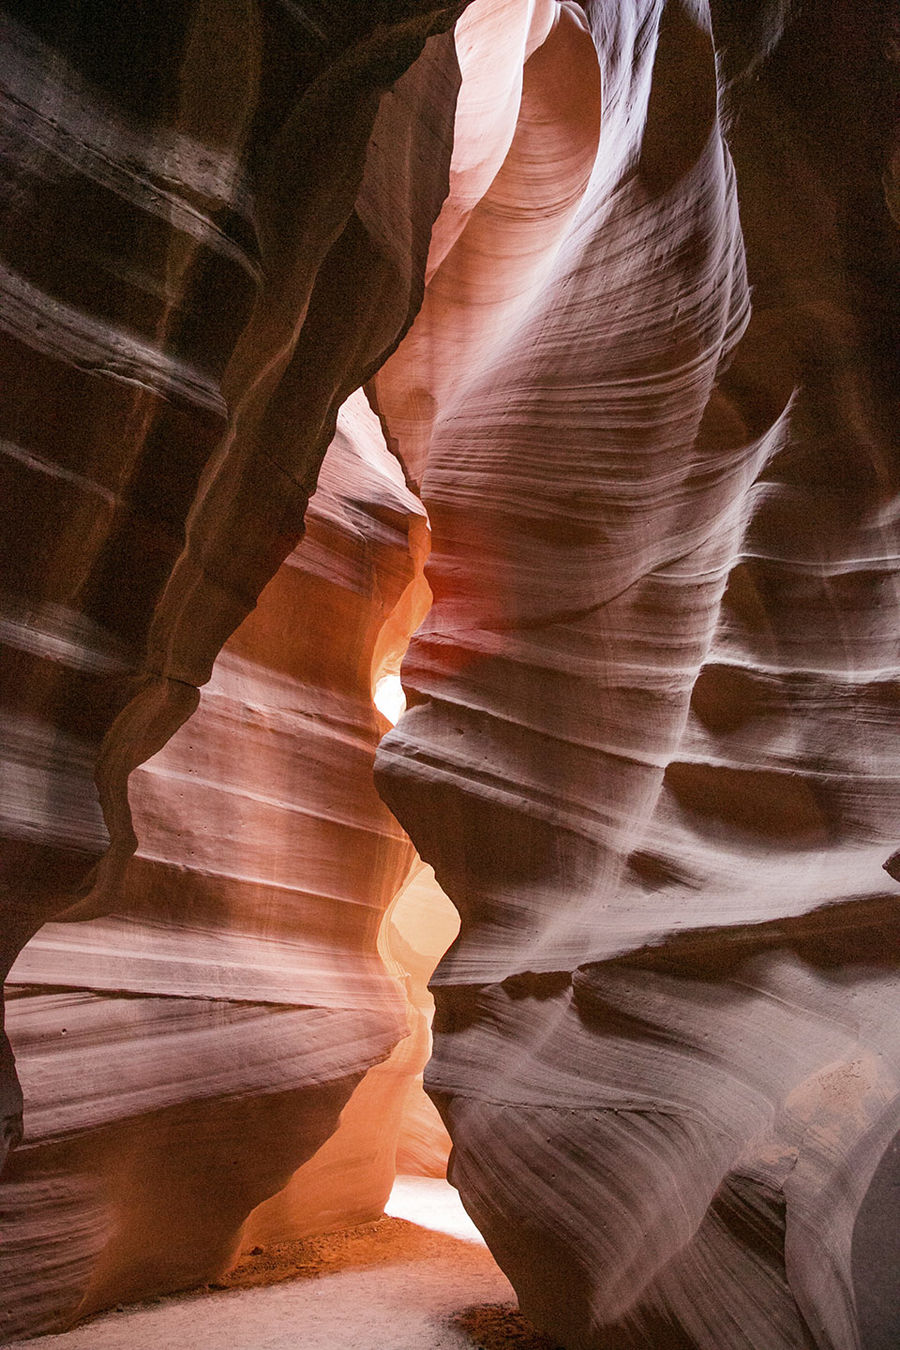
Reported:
(649, 399)
(203, 257)
(651, 746)
(205, 261)
(189, 1048)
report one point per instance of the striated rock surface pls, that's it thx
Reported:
(215, 223)
(187, 1050)
(206, 248)
(651, 749)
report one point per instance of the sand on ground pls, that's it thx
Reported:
(389, 1285)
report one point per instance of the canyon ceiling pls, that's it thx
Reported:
(550, 350)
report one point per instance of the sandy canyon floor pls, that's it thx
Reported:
(419, 1279)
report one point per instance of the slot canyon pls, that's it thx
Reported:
(449, 631)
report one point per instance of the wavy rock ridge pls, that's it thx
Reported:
(647, 396)
(651, 746)
(186, 1046)
(247, 219)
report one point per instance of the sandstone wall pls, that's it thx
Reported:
(215, 224)
(651, 748)
(187, 1046)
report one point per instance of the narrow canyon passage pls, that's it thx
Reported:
(449, 674)
(421, 1278)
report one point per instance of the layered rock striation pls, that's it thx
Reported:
(216, 223)
(206, 250)
(634, 343)
(651, 745)
(188, 1045)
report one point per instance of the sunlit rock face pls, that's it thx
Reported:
(207, 247)
(651, 748)
(216, 223)
(422, 925)
(650, 740)
(187, 1050)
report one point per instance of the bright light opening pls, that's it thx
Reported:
(389, 698)
(434, 1204)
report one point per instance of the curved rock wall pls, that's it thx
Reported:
(215, 223)
(207, 246)
(187, 1049)
(651, 745)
